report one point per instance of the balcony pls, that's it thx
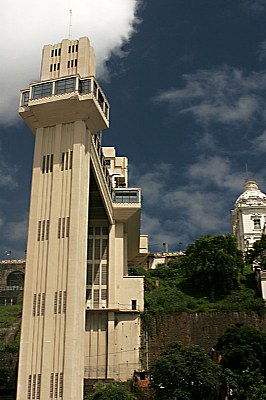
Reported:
(64, 100)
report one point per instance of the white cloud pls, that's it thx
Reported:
(223, 95)
(108, 24)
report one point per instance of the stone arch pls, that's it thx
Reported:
(15, 278)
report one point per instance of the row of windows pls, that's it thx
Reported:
(66, 160)
(63, 228)
(73, 48)
(97, 249)
(56, 385)
(38, 306)
(54, 67)
(56, 52)
(47, 163)
(60, 302)
(67, 85)
(97, 274)
(34, 386)
(43, 230)
(72, 63)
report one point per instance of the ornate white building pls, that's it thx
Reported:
(81, 310)
(249, 216)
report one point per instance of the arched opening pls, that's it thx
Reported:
(15, 278)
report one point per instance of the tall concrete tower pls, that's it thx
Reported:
(81, 310)
(249, 216)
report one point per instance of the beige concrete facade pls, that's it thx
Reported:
(81, 310)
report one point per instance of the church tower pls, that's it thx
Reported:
(249, 216)
(81, 310)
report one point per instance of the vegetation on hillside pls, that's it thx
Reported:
(211, 276)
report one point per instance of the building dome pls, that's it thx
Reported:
(252, 196)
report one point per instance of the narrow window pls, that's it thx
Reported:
(133, 304)
(71, 159)
(63, 227)
(47, 163)
(55, 52)
(58, 66)
(38, 386)
(59, 228)
(56, 385)
(39, 230)
(52, 53)
(64, 302)
(77, 47)
(47, 229)
(76, 62)
(33, 386)
(29, 387)
(59, 52)
(73, 48)
(62, 161)
(39, 304)
(43, 164)
(68, 64)
(72, 63)
(96, 298)
(55, 302)
(59, 302)
(34, 305)
(54, 67)
(69, 49)
(51, 385)
(104, 274)
(67, 227)
(257, 224)
(43, 304)
(51, 162)
(51, 67)
(61, 385)
(43, 229)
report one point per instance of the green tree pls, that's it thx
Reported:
(185, 373)
(243, 352)
(258, 252)
(213, 264)
(114, 391)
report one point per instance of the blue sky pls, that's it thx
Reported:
(186, 80)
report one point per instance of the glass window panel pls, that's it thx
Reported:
(104, 274)
(42, 90)
(90, 244)
(97, 230)
(104, 249)
(96, 298)
(89, 274)
(105, 230)
(104, 294)
(25, 98)
(65, 85)
(97, 249)
(88, 294)
(96, 279)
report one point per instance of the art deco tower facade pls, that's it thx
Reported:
(81, 310)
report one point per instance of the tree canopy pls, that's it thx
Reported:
(258, 252)
(243, 352)
(114, 391)
(213, 263)
(184, 373)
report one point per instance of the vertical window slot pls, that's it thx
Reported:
(43, 304)
(55, 302)
(70, 159)
(43, 164)
(38, 386)
(43, 229)
(39, 304)
(67, 227)
(39, 230)
(51, 385)
(47, 163)
(62, 161)
(34, 305)
(63, 227)
(59, 302)
(51, 162)
(29, 387)
(66, 166)
(47, 229)
(59, 228)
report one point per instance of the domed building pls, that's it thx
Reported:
(249, 216)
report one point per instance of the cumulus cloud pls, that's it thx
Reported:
(223, 95)
(108, 24)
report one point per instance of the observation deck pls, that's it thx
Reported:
(64, 100)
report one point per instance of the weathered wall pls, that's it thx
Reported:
(201, 329)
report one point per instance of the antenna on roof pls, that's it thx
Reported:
(70, 24)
